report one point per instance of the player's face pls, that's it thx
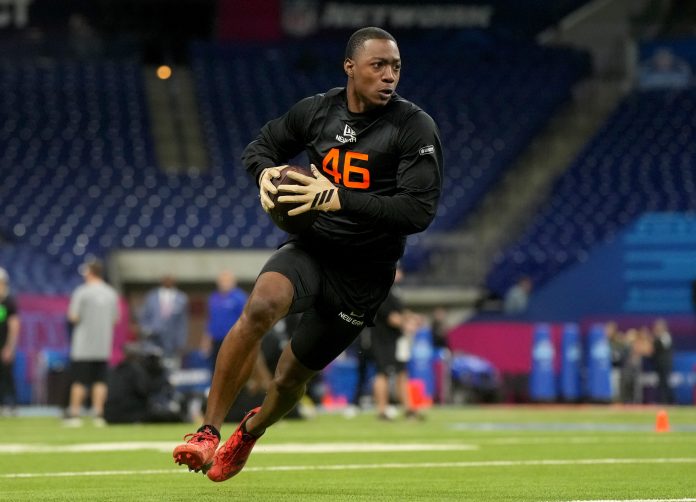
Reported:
(373, 74)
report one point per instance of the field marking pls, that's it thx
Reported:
(294, 448)
(167, 446)
(562, 427)
(522, 440)
(636, 500)
(355, 467)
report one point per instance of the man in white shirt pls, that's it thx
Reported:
(93, 312)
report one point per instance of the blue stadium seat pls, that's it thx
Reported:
(80, 175)
(640, 160)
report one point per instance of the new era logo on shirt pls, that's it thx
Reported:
(349, 135)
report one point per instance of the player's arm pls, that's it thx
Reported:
(279, 140)
(74, 307)
(419, 177)
(13, 326)
(410, 210)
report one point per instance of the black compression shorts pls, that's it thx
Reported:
(89, 372)
(336, 302)
(384, 353)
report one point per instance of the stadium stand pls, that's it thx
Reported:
(641, 160)
(80, 176)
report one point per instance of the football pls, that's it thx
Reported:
(279, 214)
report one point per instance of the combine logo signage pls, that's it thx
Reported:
(305, 17)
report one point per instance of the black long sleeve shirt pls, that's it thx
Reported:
(387, 165)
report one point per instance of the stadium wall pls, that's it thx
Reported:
(647, 269)
(188, 266)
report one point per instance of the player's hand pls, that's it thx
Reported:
(315, 193)
(266, 186)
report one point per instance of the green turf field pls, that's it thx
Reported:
(471, 453)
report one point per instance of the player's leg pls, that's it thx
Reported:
(269, 301)
(99, 390)
(5, 387)
(260, 377)
(362, 348)
(318, 339)
(285, 391)
(384, 350)
(381, 394)
(78, 392)
(288, 282)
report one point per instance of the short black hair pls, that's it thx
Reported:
(361, 36)
(94, 266)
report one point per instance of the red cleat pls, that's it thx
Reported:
(198, 451)
(232, 456)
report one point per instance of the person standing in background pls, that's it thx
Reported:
(9, 337)
(93, 312)
(517, 297)
(439, 328)
(363, 353)
(164, 320)
(617, 345)
(638, 345)
(224, 308)
(391, 345)
(662, 354)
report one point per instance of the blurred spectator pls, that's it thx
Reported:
(224, 308)
(517, 297)
(139, 390)
(638, 345)
(9, 337)
(439, 328)
(391, 346)
(664, 70)
(617, 346)
(164, 320)
(662, 354)
(363, 352)
(93, 312)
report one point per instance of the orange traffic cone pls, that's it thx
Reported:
(662, 421)
(415, 393)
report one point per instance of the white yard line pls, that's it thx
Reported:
(388, 465)
(167, 446)
(522, 440)
(637, 500)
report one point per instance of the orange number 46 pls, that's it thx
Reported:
(353, 176)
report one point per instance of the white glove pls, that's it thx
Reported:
(316, 193)
(266, 186)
